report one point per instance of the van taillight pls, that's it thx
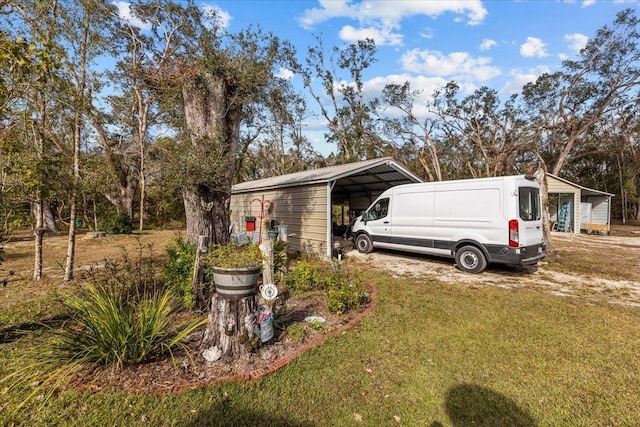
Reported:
(514, 239)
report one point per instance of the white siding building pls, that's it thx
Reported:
(589, 209)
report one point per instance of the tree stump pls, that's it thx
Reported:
(229, 332)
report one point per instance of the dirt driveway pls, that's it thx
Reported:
(546, 277)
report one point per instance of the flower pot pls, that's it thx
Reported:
(272, 234)
(236, 283)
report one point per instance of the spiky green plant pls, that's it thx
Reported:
(115, 328)
(108, 327)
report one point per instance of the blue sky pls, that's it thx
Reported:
(502, 44)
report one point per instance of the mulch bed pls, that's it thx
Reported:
(185, 372)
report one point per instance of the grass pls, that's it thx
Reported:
(430, 354)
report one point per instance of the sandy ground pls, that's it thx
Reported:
(541, 277)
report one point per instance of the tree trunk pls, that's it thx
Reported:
(207, 214)
(229, 332)
(541, 176)
(39, 237)
(210, 120)
(49, 218)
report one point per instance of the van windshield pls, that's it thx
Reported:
(529, 200)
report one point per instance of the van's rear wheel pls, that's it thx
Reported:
(470, 259)
(364, 244)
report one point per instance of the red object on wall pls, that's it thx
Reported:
(250, 222)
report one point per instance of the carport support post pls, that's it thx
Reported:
(330, 186)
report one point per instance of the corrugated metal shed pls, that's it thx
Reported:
(303, 201)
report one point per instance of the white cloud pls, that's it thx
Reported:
(285, 73)
(520, 78)
(124, 12)
(222, 17)
(533, 47)
(587, 3)
(487, 44)
(576, 41)
(426, 33)
(389, 14)
(425, 84)
(382, 36)
(456, 65)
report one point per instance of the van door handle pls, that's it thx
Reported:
(386, 222)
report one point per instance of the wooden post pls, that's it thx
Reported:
(198, 272)
(267, 265)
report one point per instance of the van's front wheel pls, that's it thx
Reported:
(470, 259)
(364, 244)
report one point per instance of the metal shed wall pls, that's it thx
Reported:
(303, 209)
(599, 208)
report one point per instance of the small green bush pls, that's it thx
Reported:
(305, 276)
(344, 292)
(345, 295)
(178, 271)
(117, 223)
(295, 332)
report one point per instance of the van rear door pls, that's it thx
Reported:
(529, 215)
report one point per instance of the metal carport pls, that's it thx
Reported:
(303, 201)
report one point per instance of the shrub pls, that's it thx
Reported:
(117, 223)
(178, 271)
(295, 332)
(305, 276)
(344, 295)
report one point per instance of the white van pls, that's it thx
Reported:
(475, 221)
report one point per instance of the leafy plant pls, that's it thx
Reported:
(279, 257)
(317, 326)
(117, 223)
(233, 256)
(295, 332)
(178, 270)
(344, 295)
(304, 277)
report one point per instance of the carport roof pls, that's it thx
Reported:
(382, 173)
(584, 190)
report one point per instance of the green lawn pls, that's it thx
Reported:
(430, 354)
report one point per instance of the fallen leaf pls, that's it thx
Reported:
(368, 370)
(358, 417)
(397, 418)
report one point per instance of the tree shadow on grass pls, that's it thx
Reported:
(473, 405)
